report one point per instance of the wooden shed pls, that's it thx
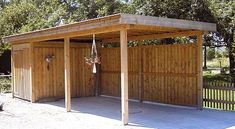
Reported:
(50, 63)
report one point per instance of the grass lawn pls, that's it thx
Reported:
(217, 63)
(216, 77)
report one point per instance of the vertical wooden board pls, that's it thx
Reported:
(22, 88)
(73, 88)
(55, 76)
(43, 87)
(35, 75)
(61, 72)
(76, 72)
(28, 85)
(168, 73)
(165, 54)
(21, 71)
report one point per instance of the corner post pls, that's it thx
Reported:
(67, 74)
(31, 64)
(124, 75)
(199, 71)
(12, 72)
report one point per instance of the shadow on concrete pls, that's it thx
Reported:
(153, 116)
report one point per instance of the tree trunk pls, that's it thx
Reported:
(231, 50)
(205, 66)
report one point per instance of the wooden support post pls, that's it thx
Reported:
(12, 72)
(67, 74)
(199, 71)
(124, 75)
(31, 52)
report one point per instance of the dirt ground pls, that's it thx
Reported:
(104, 113)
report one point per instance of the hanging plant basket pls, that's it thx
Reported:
(93, 59)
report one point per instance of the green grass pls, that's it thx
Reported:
(215, 63)
(207, 76)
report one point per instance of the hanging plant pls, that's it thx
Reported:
(93, 59)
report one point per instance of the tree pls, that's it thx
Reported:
(19, 16)
(210, 54)
(224, 11)
(13, 17)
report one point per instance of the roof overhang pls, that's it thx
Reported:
(107, 29)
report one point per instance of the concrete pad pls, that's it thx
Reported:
(104, 113)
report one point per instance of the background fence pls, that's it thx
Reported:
(219, 95)
(5, 83)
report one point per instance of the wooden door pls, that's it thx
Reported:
(21, 71)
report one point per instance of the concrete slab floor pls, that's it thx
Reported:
(104, 113)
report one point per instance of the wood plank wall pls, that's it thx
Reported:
(21, 71)
(49, 77)
(162, 73)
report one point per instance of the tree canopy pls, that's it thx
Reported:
(19, 16)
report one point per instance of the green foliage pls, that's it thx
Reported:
(210, 53)
(14, 17)
(44, 14)
(18, 16)
(207, 76)
(224, 13)
(218, 54)
(5, 84)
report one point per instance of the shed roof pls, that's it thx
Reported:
(107, 28)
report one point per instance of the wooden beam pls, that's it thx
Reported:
(166, 22)
(79, 26)
(199, 71)
(108, 21)
(59, 34)
(124, 75)
(152, 28)
(67, 74)
(156, 36)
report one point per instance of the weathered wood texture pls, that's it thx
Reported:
(219, 95)
(21, 78)
(162, 73)
(49, 77)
